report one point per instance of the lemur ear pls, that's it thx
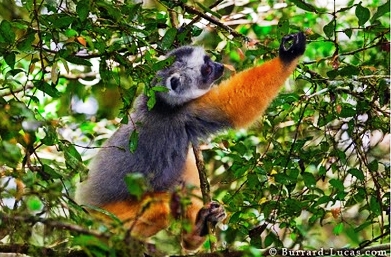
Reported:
(175, 81)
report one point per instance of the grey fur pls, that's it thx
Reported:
(165, 135)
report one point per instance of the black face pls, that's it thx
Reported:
(211, 71)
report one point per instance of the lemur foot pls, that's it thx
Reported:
(212, 212)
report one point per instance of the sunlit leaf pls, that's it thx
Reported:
(338, 229)
(34, 203)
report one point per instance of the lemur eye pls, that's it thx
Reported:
(206, 69)
(174, 81)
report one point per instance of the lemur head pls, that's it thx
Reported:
(190, 75)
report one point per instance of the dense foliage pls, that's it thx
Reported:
(312, 174)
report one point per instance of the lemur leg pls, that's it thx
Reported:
(197, 213)
(152, 213)
(212, 213)
(146, 217)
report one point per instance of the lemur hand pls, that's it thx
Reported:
(292, 46)
(212, 212)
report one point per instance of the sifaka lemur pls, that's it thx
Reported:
(190, 110)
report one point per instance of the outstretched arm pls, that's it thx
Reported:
(241, 99)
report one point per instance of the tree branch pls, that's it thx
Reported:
(212, 20)
(205, 187)
(52, 223)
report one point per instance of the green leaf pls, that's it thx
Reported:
(252, 180)
(28, 4)
(309, 179)
(357, 173)
(373, 166)
(9, 58)
(283, 27)
(355, 237)
(323, 199)
(347, 112)
(88, 241)
(151, 99)
(328, 29)
(107, 8)
(362, 13)
(322, 170)
(7, 35)
(168, 39)
(282, 179)
(270, 239)
(49, 170)
(349, 70)
(15, 72)
(77, 60)
(63, 21)
(72, 156)
(133, 141)
(374, 206)
(162, 64)
(34, 203)
(26, 43)
(51, 137)
(337, 230)
(136, 184)
(10, 154)
(160, 89)
(381, 11)
(240, 147)
(238, 169)
(47, 88)
(234, 218)
(303, 5)
(83, 9)
(337, 184)
(208, 10)
(71, 33)
(348, 32)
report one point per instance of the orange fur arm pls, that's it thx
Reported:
(244, 97)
